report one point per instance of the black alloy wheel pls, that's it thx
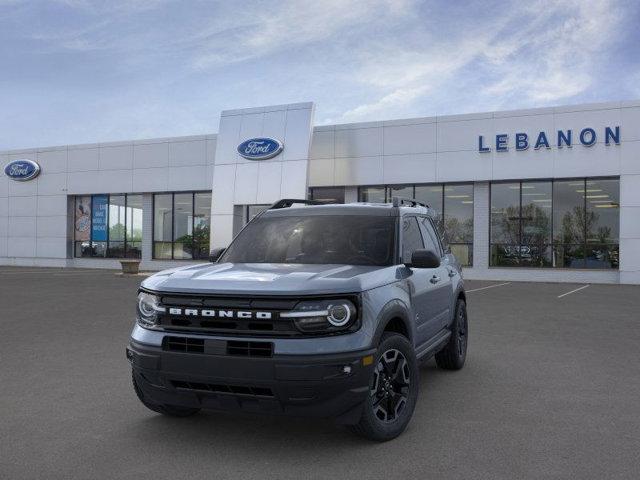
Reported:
(454, 354)
(393, 390)
(391, 384)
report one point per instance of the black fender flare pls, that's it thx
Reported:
(393, 309)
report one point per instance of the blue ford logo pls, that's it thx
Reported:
(260, 148)
(22, 170)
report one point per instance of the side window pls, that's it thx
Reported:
(430, 239)
(411, 238)
(439, 235)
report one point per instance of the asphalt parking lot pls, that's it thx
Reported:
(551, 390)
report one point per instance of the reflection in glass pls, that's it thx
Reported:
(82, 226)
(327, 194)
(404, 191)
(182, 225)
(432, 196)
(568, 212)
(505, 224)
(564, 224)
(505, 213)
(134, 226)
(201, 224)
(117, 219)
(372, 194)
(536, 200)
(162, 225)
(458, 221)
(603, 211)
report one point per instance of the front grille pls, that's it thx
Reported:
(233, 316)
(184, 344)
(273, 326)
(212, 346)
(250, 349)
(220, 388)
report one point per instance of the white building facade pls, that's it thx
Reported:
(549, 194)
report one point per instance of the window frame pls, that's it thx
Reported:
(173, 209)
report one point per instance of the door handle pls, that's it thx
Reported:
(452, 272)
(435, 279)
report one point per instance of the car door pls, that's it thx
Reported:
(443, 286)
(421, 286)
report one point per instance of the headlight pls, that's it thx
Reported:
(148, 309)
(323, 316)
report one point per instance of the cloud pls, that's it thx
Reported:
(289, 23)
(541, 53)
(125, 69)
(552, 60)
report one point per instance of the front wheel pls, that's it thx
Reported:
(453, 355)
(393, 390)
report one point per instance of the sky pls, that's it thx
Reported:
(80, 71)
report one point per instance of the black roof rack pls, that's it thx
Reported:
(287, 202)
(412, 202)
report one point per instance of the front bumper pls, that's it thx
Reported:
(327, 386)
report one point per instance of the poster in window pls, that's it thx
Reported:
(83, 219)
(99, 220)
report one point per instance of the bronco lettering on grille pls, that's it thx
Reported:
(240, 314)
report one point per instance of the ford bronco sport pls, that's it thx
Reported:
(313, 310)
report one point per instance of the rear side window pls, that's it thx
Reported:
(411, 238)
(430, 238)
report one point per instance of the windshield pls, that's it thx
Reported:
(344, 239)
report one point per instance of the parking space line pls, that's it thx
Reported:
(488, 286)
(573, 291)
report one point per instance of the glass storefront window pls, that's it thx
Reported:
(82, 226)
(372, 194)
(327, 194)
(162, 225)
(108, 226)
(432, 195)
(458, 221)
(404, 191)
(201, 224)
(134, 226)
(182, 225)
(535, 229)
(117, 219)
(555, 224)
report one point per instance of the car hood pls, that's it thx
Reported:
(270, 278)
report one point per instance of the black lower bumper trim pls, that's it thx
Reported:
(329, 386)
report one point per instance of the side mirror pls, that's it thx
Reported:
(423, 258)
(215, 254)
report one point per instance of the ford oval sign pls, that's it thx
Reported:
(22, 170)
(260, 148)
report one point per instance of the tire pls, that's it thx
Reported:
(393, 388)
(454, 354)
(169, 410)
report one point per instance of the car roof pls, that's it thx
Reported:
(359, 208)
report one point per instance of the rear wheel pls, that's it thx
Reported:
(393, 390)
(170, 410)
(454, 354)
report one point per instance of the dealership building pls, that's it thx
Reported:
(547, 194)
